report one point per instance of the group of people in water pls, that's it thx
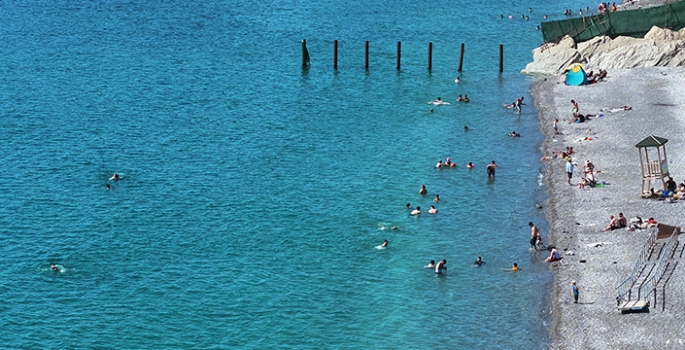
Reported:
(515, 105)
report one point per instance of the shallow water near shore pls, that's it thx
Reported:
(252, 191)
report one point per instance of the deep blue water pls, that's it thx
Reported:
(252, 190)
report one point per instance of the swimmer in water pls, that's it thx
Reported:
(466, 128)
(54, 267)
(108, 187)
(430, 265)
(437, 101)
(409, 206)
(437, 198)
(439, 164)
(470, 165)
(432, 210)
(115, 177)
(385, 243)
(441, 267)
(515, 267)
(416, 211)
(423, 190)
(479, 261)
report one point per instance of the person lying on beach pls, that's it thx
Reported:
(619, 109)
(598, 77)
(557, 154)
(578, 118)
(553, 255)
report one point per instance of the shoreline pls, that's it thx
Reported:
(576, 216)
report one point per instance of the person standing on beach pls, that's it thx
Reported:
(556, 127)
(535, 237)
(569, 170)
(576, 291)
(575, 109)
(491, 169)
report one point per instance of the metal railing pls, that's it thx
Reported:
(651, 282)
(624, 287)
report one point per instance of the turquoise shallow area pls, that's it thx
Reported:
(252, 191)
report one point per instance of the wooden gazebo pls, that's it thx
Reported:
(654, 169)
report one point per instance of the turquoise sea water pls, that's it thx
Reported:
(252, 190)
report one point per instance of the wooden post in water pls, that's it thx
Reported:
(399, 54)
(501, 58)
(335, 54)
(430, 56)
(305, 54)
(366, 55)
(461, 57)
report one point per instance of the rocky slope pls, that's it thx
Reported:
(660, 47)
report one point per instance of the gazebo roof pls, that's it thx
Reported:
(651, 141)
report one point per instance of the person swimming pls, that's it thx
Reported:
(437, 198)
(430, 265)
(470, 165)
(416, 211)
(479, 262)
(108, 187)
(466, 98)
(439, 101)
(385, 243)
(432, 210)
(514, 134)
(115, 177)
(441, 267)
(515, 267)
(54, 267)
(409, 206)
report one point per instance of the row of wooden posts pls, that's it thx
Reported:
(305, 55)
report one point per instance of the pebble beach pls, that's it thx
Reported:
(577, 216)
